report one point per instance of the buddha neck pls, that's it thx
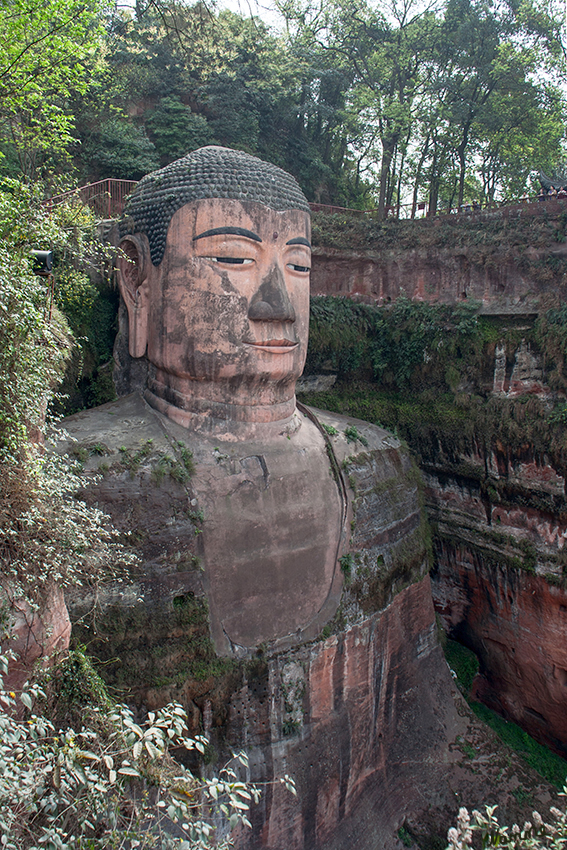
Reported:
(253, 412)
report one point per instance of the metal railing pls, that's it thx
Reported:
(331, 208)
(106, 198)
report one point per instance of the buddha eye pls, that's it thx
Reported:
(298, 268)
(232, 261)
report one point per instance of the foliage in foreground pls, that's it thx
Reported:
(484, 830)
(112, 784)
(45, 535)
(48, 536)
(35, 337)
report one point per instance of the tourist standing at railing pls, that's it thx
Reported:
(542, 194)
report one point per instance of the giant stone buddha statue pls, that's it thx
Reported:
(240, 504)
(214, 272)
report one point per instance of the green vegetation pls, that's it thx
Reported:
(64, 789)
(70, 687)
(405, 837)
(331, 430)
(366, 109)
(549, 765)
(464, 663)
(49, 51)
(485, 239)
(346, 563)
(35, 340)
(352, 435)
(136, 644)
(425, 372)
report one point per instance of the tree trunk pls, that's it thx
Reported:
(461, 156)
(418, 176)
(387, 153)
(433, 195)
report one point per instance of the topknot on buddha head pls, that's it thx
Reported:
(210, 172)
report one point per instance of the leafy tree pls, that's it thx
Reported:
(486, 62)
(46, 50)
(175, 130)
(120, 149)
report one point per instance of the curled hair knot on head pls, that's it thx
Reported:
(210, 172)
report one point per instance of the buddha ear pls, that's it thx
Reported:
(133, 267)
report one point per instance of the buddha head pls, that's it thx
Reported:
(214, 272)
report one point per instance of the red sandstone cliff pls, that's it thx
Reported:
(500, 522)
(448, 260)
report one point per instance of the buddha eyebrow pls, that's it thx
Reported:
(233, 231)
(299, 240)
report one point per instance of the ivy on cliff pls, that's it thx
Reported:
(34, 337)
(398, 346)
(426, 371)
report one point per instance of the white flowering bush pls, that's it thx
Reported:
(113, 784)
(484, 830)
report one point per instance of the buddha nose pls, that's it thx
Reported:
(271, 302)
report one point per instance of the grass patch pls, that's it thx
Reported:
(464, 663)
(548, 764)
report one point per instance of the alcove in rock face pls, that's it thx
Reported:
(315, 648)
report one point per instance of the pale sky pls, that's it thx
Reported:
(257, 8)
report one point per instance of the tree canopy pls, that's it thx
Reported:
(369, 105)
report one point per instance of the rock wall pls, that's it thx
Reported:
(495, 490)
(374, 719)
(502, 277)
(37, 635)
(500, 526)
(517, 625)
(445, 277)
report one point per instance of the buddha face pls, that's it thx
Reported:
(229, 303)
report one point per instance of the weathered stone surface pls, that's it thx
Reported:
(517, 625)
(259, 528)
(36, 636)
(315, 383)
(498, 581)
(270, 519)
(441, 276)
(371, 746)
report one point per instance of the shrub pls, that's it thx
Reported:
(113, 784)
(533, 835)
